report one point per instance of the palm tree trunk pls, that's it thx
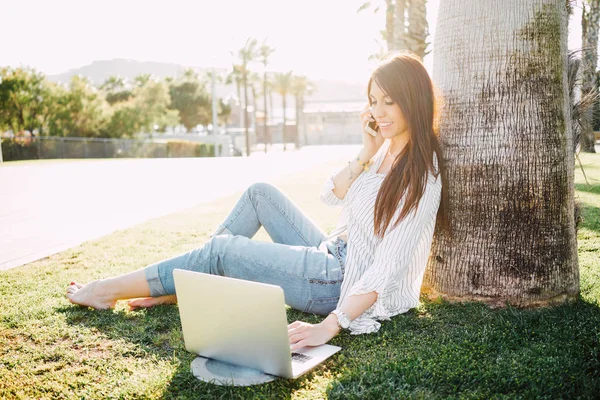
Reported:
(239, 93)
(418, 29)
(589, 62)
(266, 132)
(389, 24)
(283, 128)
(298, 117)
(246, 122)
(400, 25)
(507, 138)
(303, 122)
(254, 109)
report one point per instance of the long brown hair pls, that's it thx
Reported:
(403, 78)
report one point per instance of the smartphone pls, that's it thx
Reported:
(372, 128)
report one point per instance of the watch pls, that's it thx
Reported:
(342, 318)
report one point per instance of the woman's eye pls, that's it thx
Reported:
(373, 102)
(389, 103)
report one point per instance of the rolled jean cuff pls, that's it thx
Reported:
(156, 287)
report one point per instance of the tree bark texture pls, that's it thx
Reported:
(400, 25)
(418, 29)
(590, 24)
(501, 67)
(389, 24)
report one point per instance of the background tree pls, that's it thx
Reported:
(125, 120)
(265, 52)
(152, 100)
(406, 26)
(224, 112)
(507, 138)
(148, 106)
(235, 77)
(590, 24)
(141, 80)
(81, 111)
(417, 31)
(24, 99)
(246, 55)
(191, 99)
(282, 83)
(254, 81)
(301, 87)
(115, 90)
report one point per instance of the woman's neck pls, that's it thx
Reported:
(397, 143)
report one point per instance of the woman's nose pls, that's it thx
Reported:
(377, 112)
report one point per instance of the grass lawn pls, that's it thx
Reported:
(51, 349)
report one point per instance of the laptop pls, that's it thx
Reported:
(241, 322)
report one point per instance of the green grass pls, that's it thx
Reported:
(51, 349)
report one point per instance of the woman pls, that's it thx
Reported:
(390, 194)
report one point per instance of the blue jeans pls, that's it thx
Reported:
(308, 268)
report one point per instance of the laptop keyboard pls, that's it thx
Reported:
(301, 358)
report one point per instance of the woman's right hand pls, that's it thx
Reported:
(370, 144)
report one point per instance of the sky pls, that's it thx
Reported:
(322, 39)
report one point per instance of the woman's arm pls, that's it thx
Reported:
(303, 334)
(343, 179)
(353, 307)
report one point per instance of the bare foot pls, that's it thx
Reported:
(147, 302)
(90, 295)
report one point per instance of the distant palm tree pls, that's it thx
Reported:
(247, 54)
(189, 74)
(283, 84)
(114, 88)
(265, 52)
(301, 87)
(142, 79)
(235, 76)
(254, 81)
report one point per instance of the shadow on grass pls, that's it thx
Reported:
(157, 332)
(443, 350)
(438, 350)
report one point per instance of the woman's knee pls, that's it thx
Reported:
(217, 244)
(262, 188)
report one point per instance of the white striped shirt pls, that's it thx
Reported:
(393, 266)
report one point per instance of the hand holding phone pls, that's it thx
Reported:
(372, 128)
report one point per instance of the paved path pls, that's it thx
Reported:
(48, 207)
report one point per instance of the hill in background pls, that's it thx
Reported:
(99, 71)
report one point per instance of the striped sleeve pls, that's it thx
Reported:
(327, 195)
(393, 256)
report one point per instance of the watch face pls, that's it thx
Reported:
(343, 319)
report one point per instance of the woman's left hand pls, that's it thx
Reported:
(304, 334)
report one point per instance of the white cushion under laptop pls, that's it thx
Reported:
(239, 330)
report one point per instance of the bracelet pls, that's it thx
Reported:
(366, 165)
(352, 175)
